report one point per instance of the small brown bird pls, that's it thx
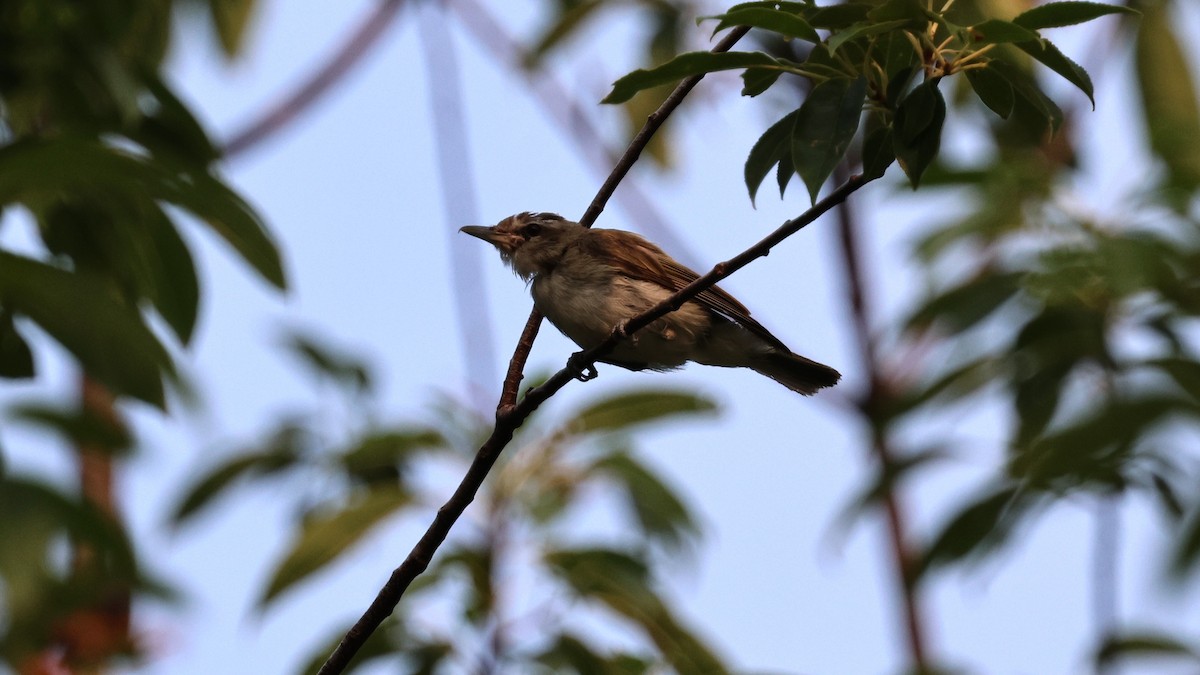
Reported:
(587, 281)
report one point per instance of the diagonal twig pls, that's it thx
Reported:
(510, 414)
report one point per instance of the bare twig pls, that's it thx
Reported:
(509, 417)
(282, 113)
(901, 553)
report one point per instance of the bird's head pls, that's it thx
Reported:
(531, 243)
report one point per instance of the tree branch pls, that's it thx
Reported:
(510, 414)
(509, 417)
(871, 402)
(285, 111)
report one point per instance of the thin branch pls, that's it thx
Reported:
(573, 120)
(320, 82)
(894, 514)
(509, 413)
(510, 417)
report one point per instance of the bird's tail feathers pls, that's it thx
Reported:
(801, 375)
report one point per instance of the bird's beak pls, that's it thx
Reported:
(500, 240)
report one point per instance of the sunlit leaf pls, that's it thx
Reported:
(326, 536)
(824, 127)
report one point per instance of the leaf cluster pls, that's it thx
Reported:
(888, 59)
(524, 532)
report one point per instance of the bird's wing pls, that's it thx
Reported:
(642, 260)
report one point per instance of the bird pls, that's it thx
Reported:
(588, 282)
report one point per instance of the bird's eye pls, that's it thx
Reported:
(531, 230)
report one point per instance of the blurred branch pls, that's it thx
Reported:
(870, 404)
(288, 109)
(458, 199)
(572, 118)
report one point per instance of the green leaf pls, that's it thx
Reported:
(918, 129)
(1143, 645)
(325, 537)
(1052, 58)
(879, 153)
(1056, 14)
(686, 65)
(620, 581)
(383, 457)
(824, 127)
(1185, 373)
(768, 151)
(35, 169)
(230, 17)
(327, 361)
(569, 18)
(787, 24)
(840, 16)
(107, 336)
(660, 512)
(174, 288)
(995, 31)
(16, 359)
(626, 410)
(1169, 99)
(79, 427)
(280, 455)
(864, 29)
(963, 306)
(757, 80)
(995, 91)
(910, 11)
(1027, 93)
(983, 525)
(382, 642)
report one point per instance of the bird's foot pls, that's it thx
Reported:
(582, 372)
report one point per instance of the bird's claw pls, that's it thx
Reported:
(583, 373)
(622, 331)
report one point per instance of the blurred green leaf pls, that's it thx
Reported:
(231, 18)
(787, 24)
(995, 91)
(626, 410)
(383, 456)
(566, 22)
(1055, 14)
(174, 287)
(621, 582)
(16, 359)
(282, 452)
(1169, 99)
(478, 564)
(918, 129)
(1044, 114)
(1184, 372)
(379, 644)
(108, 337)
(768, 151)
(663, 516)
(824, 127)
(32, 170)
(1131, 645)
(325, 360)
(965, 305)
(326, 536)
(77, 426)
(686, 65)
(983, 525)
